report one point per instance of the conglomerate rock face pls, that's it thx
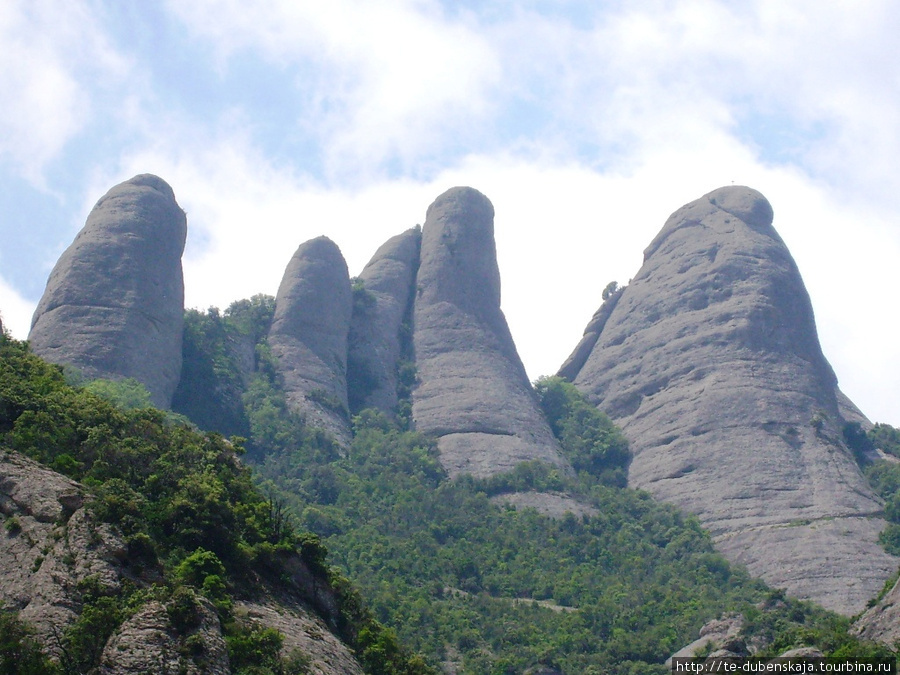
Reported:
(710, 362)
(309, 335)
(473, 392)
(881, 622)
(379, 310)
(56, 545)
(53, 545)
(114, 303)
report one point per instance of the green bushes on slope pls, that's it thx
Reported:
(186, 505)
(464, 579)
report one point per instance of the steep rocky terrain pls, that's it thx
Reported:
(710, 363)
(881, 622)
(472, 392)
(379, 311)
(114, 303)
(156, 553)
(53, 547)
(309, 335)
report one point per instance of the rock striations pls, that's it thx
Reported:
(114, 303)
(473, 393)
(309, 333)
(710, 362)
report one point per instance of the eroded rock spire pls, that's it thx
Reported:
(114, 302)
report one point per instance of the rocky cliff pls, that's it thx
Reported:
(114, 303)
(54, 547)
(381, 304)
(881, 622)
(309, 335)
(710, 362)
(472, 393)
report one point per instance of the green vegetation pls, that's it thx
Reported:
(457, 574)
(589, 439)
(884, 477)
(194, 522)
(20, 653)
(219, 356)
(463, 578)
(128, 393)
(886, 438)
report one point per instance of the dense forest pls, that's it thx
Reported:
(463, 577)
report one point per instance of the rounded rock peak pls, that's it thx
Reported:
(462, 198)
(152, 181)
(319, 247)
(745, 203)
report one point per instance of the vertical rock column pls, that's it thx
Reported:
(114, 303)
(309, 335)
(378, 314)
(473, 392)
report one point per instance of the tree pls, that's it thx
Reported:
(610, 290)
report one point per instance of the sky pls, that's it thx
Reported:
(586, 123)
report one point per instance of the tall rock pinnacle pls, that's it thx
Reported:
(309, 335)
(114, 303)
(473, 392)
(710, 362)
(378, 316)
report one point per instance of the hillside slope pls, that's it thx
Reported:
(156, 553)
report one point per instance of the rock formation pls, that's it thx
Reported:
(379, 309)
(473, 393)
(53, 544)
(309, 335)
(710, 362)
(114, 303)
(148, 640)
(881, 623)
(39, 568)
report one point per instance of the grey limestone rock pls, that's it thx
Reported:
(309, 335)
(379, 310)
(55, 545)
(710, 363)
(148, 642)
(305, 634)
(881, 622)
(553, 504)
(51, 543)
(114, 302)
(473, 392)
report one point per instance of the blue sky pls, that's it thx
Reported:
(586, 123)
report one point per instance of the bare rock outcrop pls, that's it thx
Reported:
(473, 392)
(309, 335)
(881, 622)
(50, 545)
(380, 307)
(149, 642)
(710, 363)
(304, 634)
(114, 302)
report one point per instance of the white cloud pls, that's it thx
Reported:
(390, 80)
(49, 51)
(15, 311)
